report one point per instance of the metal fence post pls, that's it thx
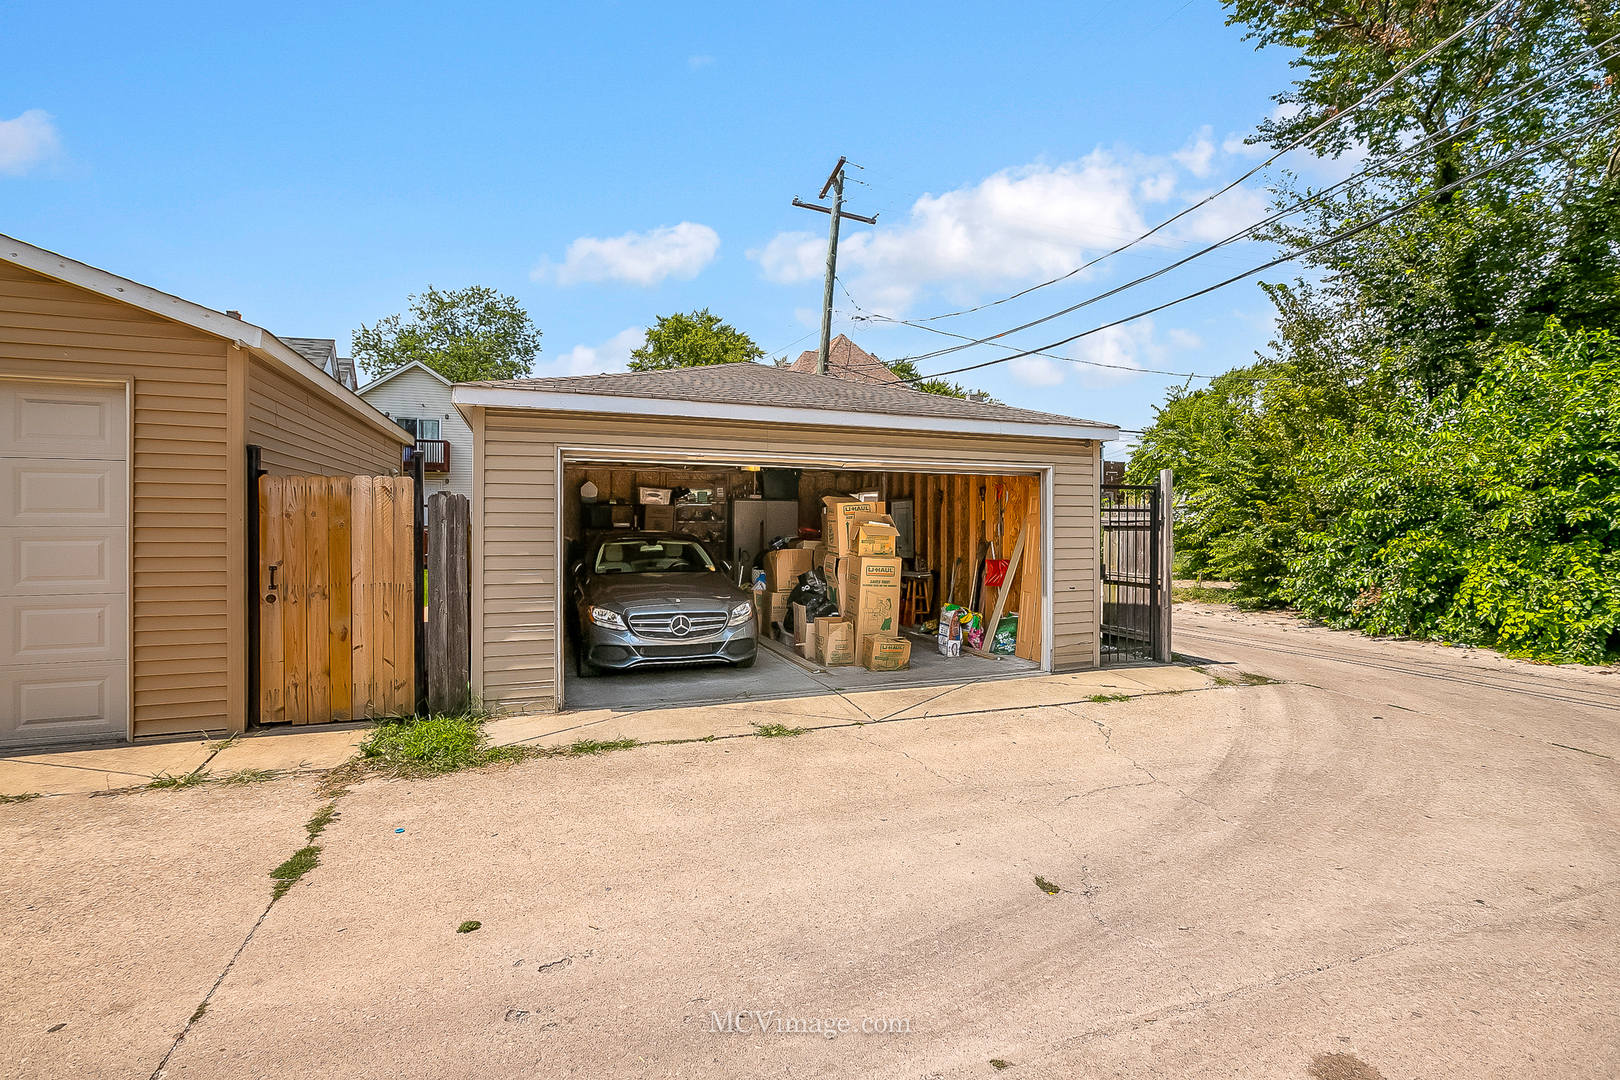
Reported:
(1167, 560)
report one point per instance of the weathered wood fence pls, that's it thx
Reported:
(449, 649)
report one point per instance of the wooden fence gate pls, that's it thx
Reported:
(338, 614)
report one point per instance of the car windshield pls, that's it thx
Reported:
(652, 557)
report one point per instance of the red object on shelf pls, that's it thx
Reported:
(995, 572)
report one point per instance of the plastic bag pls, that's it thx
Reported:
(971, 623)
(1006, 638)
(812, 592)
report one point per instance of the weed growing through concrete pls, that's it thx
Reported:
(297, 865)
(1250, 679)
(323, 817)
(1104, 699)
(777, 731)
(469, 926)
(249, 776)
(165, 782)
(431, 744)
(24, 797)
(998, 1064)
(1050, 888)
(590, 746)
(198, 1015)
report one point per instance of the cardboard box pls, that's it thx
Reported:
(835, 642)
(623, 515)
(658, 518)
(654, 496)
(782, 568)
(836, 511)
(832, 569)
(869, 594)
(770, 607)
(873, 536)
(879, 653)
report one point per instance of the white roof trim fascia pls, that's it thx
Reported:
(243, 334)
(504, 398)
(413, 365)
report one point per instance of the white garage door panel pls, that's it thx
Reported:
(55, 701)
(62, 629)
(47, 420)
(65, 561)
(62, 491)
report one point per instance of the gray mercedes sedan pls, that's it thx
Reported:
(646, 599)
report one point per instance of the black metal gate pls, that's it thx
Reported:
(1132, 585)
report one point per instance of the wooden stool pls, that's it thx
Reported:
(916, 596)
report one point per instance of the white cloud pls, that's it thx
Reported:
(1122, 349)
(1037, 371)
(27, 140)
(1016, 227)
(791, 257)
(678, 251)
(612, 355)
(695, 62)
(1196, 156)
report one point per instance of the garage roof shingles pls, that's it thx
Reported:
(762, 384)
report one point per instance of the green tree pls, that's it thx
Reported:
(697, 339)
(466, 335)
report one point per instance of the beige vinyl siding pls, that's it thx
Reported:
(514, 559)
(418, 394)
(303, 433)
(182, 647)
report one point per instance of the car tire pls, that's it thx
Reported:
(583, 667)
(744, 665)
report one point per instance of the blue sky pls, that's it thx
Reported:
(312, 165)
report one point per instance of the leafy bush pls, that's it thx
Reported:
(1493, 519)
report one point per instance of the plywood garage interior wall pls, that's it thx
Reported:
(187, 491)
(516, 518)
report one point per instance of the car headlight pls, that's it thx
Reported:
(742, 613)
(601, 616)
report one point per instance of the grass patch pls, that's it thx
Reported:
(586, 747)
(431, 744)
(1250, 679)
(1050, 888)
(24, 797)
(998, 1064)
(1202, 594)
(469, 926)
(198, 1015)
(165, 782)
(777, 731)
(250, 776)
(323, 817)
(297, 865)
(1104, 699)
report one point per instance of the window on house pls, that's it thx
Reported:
(422, 429)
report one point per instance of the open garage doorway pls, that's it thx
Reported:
(957, 537)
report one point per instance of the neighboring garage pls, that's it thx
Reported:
(125, 418)
(960, 473)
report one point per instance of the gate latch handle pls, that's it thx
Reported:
(273, 568)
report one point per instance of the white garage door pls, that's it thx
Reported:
(64, 544)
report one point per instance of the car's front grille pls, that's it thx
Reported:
(676, 652)
(677, 625)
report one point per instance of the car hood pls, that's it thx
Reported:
(638, 590)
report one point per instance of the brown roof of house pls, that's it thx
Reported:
(765, 384)
(846, 360)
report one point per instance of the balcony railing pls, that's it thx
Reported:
(435, 456)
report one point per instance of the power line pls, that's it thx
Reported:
(1302, 140)
(1370, 170)
(1336, 238)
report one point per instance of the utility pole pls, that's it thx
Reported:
(836, 182)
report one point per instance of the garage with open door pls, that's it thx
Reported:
(733, 457)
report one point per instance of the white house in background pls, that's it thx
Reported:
(417, 398)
